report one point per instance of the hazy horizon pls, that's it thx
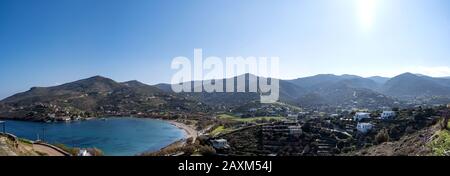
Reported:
(52, 42)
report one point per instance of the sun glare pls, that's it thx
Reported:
(366, 13)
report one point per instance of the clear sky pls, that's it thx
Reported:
(49, 42)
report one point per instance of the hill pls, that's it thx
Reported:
(409, 85)
(92, 97)
(310, 91)
(431, 141)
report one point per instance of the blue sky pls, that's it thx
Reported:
(49, 42)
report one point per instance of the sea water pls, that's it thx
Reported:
(114, 136)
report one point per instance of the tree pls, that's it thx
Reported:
(410, 130)
(446, 116)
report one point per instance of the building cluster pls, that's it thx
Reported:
(363, 120)
(284, 128)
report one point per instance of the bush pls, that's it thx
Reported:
(410, 130)
(189, 140)
(440, 146)
(72, 151)
(95, 152)
(207, 151)
(189, 150)
(382, 136)
(444, 124)
(26, 141)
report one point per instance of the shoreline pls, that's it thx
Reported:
(189, 131)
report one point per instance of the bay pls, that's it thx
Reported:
(114, 136)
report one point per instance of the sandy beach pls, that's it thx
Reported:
(190, 131)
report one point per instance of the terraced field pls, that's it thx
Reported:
(252, 119)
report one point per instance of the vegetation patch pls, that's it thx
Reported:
(72, 151)
(220, 130)
(217, 131)
(25, 141)
(251, 119)
(440, 146)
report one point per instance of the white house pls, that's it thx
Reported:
(361, 115)
(334, 115)
(84, 152)
(293, 117)
(252, 110)
(387, 115)
(364, 127)
(295, 130)
(220, 143)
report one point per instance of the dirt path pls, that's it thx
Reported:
(44, 149)
(4, 148)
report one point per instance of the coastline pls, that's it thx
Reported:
(190, 132)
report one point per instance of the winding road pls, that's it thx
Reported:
(47, 150)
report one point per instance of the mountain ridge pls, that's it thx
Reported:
(99, 95)
(94, 96)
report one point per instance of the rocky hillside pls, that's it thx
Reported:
(95, 96)
(309, 91)
(432, 141)
(410, 85)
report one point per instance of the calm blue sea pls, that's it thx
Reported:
(114, 136)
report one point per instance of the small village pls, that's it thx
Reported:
(304, 133)
(274, 129)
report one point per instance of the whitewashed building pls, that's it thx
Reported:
(360, 116)
(293, 117)
(386, 115)
(364, 127)
(334, 115)
(295, 130)
(84, 152)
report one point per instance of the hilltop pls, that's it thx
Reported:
(92, 97)
(100, 96)
(338, 90)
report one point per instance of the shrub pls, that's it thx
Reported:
(72, 151)
(444, 124)
(95, 152)
(410, 130)
(440, 146)
(207, 151)
(26, 141)
(189, 150)
(382, 136)
(189, 140)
